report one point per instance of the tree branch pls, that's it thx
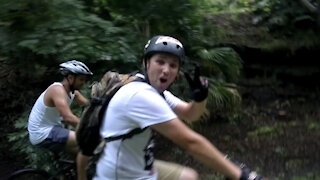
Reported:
(309, 6)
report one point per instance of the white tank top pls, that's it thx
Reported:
(42, 118)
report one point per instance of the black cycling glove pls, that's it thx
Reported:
(198, 85)
(246, 173)
(250, 175)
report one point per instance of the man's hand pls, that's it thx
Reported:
(247, 175)
(198, 85)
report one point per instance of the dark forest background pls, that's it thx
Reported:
(261, 57)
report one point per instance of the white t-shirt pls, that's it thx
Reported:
(135, 105)
(42, 118)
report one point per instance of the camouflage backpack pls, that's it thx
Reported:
(88, 130)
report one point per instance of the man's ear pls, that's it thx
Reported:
(70, 77)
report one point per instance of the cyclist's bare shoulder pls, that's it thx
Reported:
(54, 93)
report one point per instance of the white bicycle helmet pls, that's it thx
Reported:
(74, 67)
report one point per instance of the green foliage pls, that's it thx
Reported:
(264, 130)
(221, 65)
(152, 17)
(49, 32)
(226, 6)
(314, 176)
(65, 30)
(224, 98)
(37, 158)
(282, 14)
(226, 63)
(37, 35)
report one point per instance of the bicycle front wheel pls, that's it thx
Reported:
(29, 174)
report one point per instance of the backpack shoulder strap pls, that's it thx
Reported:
(134, 131)
(126, 136)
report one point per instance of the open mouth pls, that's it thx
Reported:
(163, 80)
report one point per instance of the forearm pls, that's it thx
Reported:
(82, 163)
(206, 153)
(71, 119)
(198, 146)
(80, 99)
(193, 111)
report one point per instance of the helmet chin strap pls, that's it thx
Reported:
(72, 89)
(144, 71)
(146, 78)
(71, 86)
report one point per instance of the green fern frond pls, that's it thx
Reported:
(223, 96)
(222, 61)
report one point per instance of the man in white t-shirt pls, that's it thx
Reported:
(53, 107)
(147, 107)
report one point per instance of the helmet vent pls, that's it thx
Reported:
(74, 67)
(164, 44)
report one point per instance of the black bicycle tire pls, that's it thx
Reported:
(29, 174)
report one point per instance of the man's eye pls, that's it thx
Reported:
(173, 65)
(160, 62)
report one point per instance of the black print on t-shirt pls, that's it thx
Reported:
(148, 156)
